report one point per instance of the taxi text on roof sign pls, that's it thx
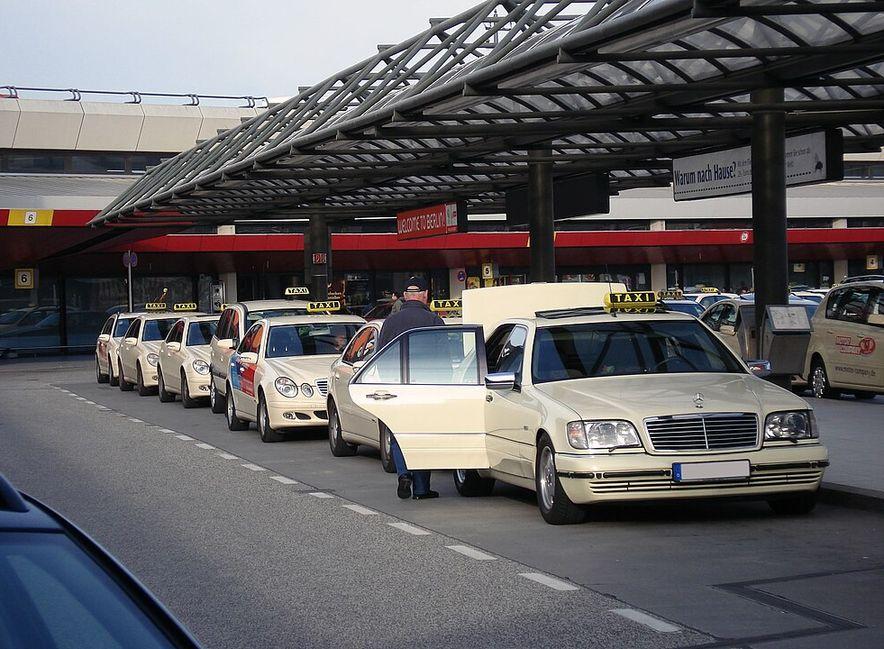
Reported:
(327, 305)
(156, 306)
(709, 289)
(670, 294)
(185, 306)
(445, 305)
(297, 290)
(631, 301)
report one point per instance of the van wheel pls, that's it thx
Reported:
(555, 506)
(267, 432)
(386, 441)
(186, 400)
(233, 422)
(339, 448)
(469, 483)
(217, 401)
(143, 390)
(165, 397)
(819, 381)
(863, 395)
(125, 386)
(111, 379)
(99, 376)
(793, 505)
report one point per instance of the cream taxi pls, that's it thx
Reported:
(138, 353)
(846, 351)
(235, 320)
(278, 376)
(588, 405)
(108, 344)
(183, 367)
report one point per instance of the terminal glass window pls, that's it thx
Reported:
(157, 329)
(627, 348)
(309, 339)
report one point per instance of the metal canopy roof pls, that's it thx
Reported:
(616, 86)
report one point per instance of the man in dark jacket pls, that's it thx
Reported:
(414, 314)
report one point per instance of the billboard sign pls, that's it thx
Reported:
(444, 218)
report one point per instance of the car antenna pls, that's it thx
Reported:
(610, 288)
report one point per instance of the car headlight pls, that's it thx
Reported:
(286, 387)
(790, 425)
(607, 434)
(200, 366)
(307, 390)
(153, 359)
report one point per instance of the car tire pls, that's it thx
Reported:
(469, 483)
(186, 400)
(385, 437)
(165, 397)
(217, 401)
(797, 505)
(114, 381)
(233, 422)
(269, 435)
(819, 381)
(339, 448)
(125, 386)
(99, 377)
(555, 506)
(143, 390)
(862, 395)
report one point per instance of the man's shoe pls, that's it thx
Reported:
(404, 490)
(426, 496)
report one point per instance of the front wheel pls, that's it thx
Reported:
(469, 483)
(111, 379)
(186, 400)
(125, 386)
(217, 401)
(267, 432)
(386, 444)
(793, 505)
(165, 397)
(100, 377)
(143, 390)
(555, 506)
(233, 422)
(819, 381)
(339, 448)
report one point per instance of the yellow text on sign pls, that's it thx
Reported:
(24, 278)
(30, 217)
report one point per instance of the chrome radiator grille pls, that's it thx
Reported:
(712, 432)
(322, 386)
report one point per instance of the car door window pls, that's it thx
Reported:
(853, 305)
(106, 329)
(727, 316)
(134, 328)
(513, 352)
(354, 350)
(257, 337)
(223, 323)
(234, 324)
(713, 318)
(386, 367)
(877, 309)
(370, 347)
(246, 342)
(495, 345)
(441, 357)
(175, 332)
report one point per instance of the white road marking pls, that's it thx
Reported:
(320, 494)
(91, 403)
(359, 509)
(647, 620)
(473, 553)
(253, 467)
(282, 479)
(135, 420)
(80, 398)
(186, 438)
(227, 456)
(105, 408)
(208, 447)
(546, 580)
(167, 430)
(411, 529)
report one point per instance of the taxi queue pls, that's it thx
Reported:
(619, 399)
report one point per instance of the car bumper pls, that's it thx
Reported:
(197, 383)
(636, 477)
(148, 375)
(297, 413)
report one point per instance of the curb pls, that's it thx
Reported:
(852, 497)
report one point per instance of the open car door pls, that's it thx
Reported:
(428, 387)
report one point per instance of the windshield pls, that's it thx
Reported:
(309, 339)
(200, 333)
(11, 316)
(157, 329)
(691, 308)
(254, 316)
(121, 327)
(624, 348)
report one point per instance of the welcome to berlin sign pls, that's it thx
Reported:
(444, 218)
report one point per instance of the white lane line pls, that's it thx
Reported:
(167, 430)
(105, 408)
(91, 403)
(282, 479)
(208, 447)
(227, 456)
(135, 420)
(472, 553)
(411, 529)
(320, 494)
(186, 438)
(647, 620)
(546, 580)
(359, 509)
(80, 398)
(253, 467)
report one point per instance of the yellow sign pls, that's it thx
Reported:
(24, 278)
(297, 290)
(327, 305)
(873, 262)
(670, 294)
(185, 306)
(709, 289)
(445, 305)
(156, 306)
(487, 271)
(635, 301)
(30, 217)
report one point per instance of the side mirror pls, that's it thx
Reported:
(131, 341)
(500, 381)
(248, 357)
(226, 343)
(357, 365)
(759, 368)
(104, 338)
(728, 330)
(173, 347)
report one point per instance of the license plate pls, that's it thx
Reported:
(710, 471)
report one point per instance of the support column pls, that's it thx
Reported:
(770, 253)
(317, 240)
(541, 227)
(658, 277)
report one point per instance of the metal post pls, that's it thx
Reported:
(541, 226)
(770, 250)
(317, 241)
(129, 281)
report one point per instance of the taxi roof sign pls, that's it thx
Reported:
(185, 306)
(631, 301)
(156, 306)
(670, 294)
(446, 305)
(709, 289)
(325, 305)
(292, 291)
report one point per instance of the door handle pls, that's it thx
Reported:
(380, 396)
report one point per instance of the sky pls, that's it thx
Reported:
(236, 47)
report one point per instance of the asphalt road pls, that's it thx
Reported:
(247, 559)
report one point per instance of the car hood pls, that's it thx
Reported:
(302, 368)
(202, 352)
(637, 397)
(151, 346)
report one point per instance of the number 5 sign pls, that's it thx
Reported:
(24, 278)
